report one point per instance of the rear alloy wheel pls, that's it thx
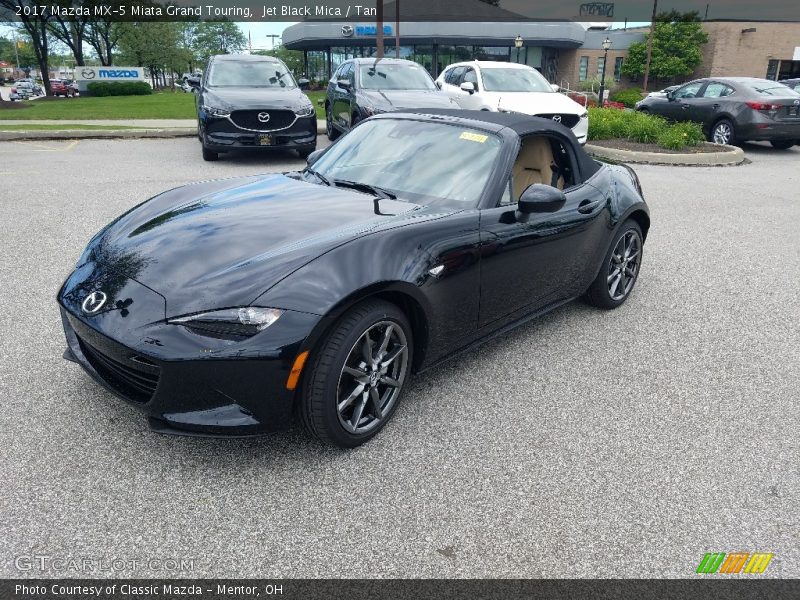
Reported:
(782, 144)
(357, 377)
(330, 130)
(723, 133)
(620, 268)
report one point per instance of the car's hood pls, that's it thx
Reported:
(254, 98)
(389, 100)
(536, 103)
(223, 243)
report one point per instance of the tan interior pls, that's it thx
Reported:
(534, 165)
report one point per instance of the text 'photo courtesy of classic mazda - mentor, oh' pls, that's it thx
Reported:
(228, 307)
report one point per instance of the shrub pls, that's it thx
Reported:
(119, 88)
(629, 96)
(608, 123)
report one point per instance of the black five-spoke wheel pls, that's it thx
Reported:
(371, 377)
(620, 268)
(356, 376)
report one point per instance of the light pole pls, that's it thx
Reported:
(518, 44)
(606, 46)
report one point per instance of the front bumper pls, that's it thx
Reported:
(194, 385)
(223, 134)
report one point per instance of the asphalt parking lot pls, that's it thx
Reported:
(585, 444)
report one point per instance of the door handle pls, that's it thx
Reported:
(684, 106)
(588, 206)
(715, 106)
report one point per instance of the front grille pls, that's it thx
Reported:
(567, 120)
(248, 119)
(136, 382)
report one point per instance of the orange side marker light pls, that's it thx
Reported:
(297, 369)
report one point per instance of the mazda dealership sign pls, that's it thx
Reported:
(85, 75)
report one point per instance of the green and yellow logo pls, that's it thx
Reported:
(734, 562)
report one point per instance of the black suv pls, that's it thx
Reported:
(362, 87)
(247, 101)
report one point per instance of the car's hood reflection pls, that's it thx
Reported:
(223, 243)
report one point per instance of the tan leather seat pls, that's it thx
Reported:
(534, 164)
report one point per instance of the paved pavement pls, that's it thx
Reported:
(585, 444)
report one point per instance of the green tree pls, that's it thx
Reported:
(216, 37)
(678, 38)
(157, 46)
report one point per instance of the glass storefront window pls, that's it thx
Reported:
(583, 70)
(618, 68)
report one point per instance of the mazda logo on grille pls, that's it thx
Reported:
(557, 118)
(263, 117)
(94, 302)
(797, 101)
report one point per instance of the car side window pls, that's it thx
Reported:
(471, 77)
(507, 197)
(689, 90)
(717, 90)
(455, 76)
(541, 159)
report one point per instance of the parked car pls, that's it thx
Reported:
(663, 93)
(793, 84)
(59, 87)
(226, 307)
(362, 87)
(22, 90)
(250, 101)
(734, 109)
(510, 87)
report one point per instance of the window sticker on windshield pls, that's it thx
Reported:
(474, 137)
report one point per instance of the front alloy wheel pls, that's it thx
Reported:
(616, 278)
(354, 382)
(723, 133)
(330, 130)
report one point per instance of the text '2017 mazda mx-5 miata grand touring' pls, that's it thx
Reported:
(228, 307)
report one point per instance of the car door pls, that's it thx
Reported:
(707, 106)
(683, 103)
(530, 261)
(452, 81)
(466, 100)
(342, 93)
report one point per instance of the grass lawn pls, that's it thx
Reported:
(66, 126)
(314, 97)
(164, 105)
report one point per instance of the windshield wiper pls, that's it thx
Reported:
(365, 187)
(319, 176)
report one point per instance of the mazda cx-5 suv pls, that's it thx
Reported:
(247, 101)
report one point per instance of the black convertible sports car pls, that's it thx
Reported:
(226, 307)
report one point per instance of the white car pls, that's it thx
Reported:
(511, 87)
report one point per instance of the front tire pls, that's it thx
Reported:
(782, 144)
(331, 131)
(358, 374)
(620, 270)
(209, 155)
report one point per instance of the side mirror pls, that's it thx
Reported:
(671, 95)
(438, 84)
(193, 81)
(556, 87)
(468, 87)
(344, 84)
(540, 198)
(312, 158)
(303, 83)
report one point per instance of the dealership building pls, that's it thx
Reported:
(567, 53)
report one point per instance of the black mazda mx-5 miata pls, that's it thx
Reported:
(226, 307)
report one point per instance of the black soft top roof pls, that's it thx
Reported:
(521, 125)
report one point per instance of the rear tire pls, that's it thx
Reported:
(356, 377)
(620, 270)
(723, 132)
(782, 144)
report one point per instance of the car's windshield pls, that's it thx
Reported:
(419, 161)
(388, 76)
(249, 74)
(770, 88)
(514, 80)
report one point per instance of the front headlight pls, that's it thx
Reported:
(243, 322)
(305, 111)
(216, 112)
